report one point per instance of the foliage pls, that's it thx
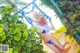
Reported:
(17, 35)
(58, 33)
(72, 19)
(71, 10)
(49, 4)
(72, 23)
(78, 49)
(67, 38)
(46, 3)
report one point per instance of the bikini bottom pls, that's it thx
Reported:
(49, 42)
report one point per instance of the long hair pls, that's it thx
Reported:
(40, 19)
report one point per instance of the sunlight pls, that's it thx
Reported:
(26, 1)
(56, 21)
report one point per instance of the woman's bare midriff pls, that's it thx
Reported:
(46, 37)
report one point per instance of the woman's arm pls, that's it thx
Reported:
(40, 28)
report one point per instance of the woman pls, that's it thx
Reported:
(48, 38)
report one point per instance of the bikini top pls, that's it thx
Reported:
(43, 29)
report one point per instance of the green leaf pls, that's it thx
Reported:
(35, 29)
(10, 50)
(15, 51)
(25, 35)
(29, 44)
(10, 19)
(1, 25)
(2, 38)
(3, 33)
(1, 30)
(13, 30)
(11, 25)
(22, 42)
(17, 37)
(17, 48)
(24, 26)
(8, 6)
(28, 50)
(32, 37)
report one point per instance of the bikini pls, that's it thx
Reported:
(45, 28)
(49, 41)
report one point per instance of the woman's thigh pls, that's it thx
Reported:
(53, 47)
(48, 37)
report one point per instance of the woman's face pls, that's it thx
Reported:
(40, 19)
